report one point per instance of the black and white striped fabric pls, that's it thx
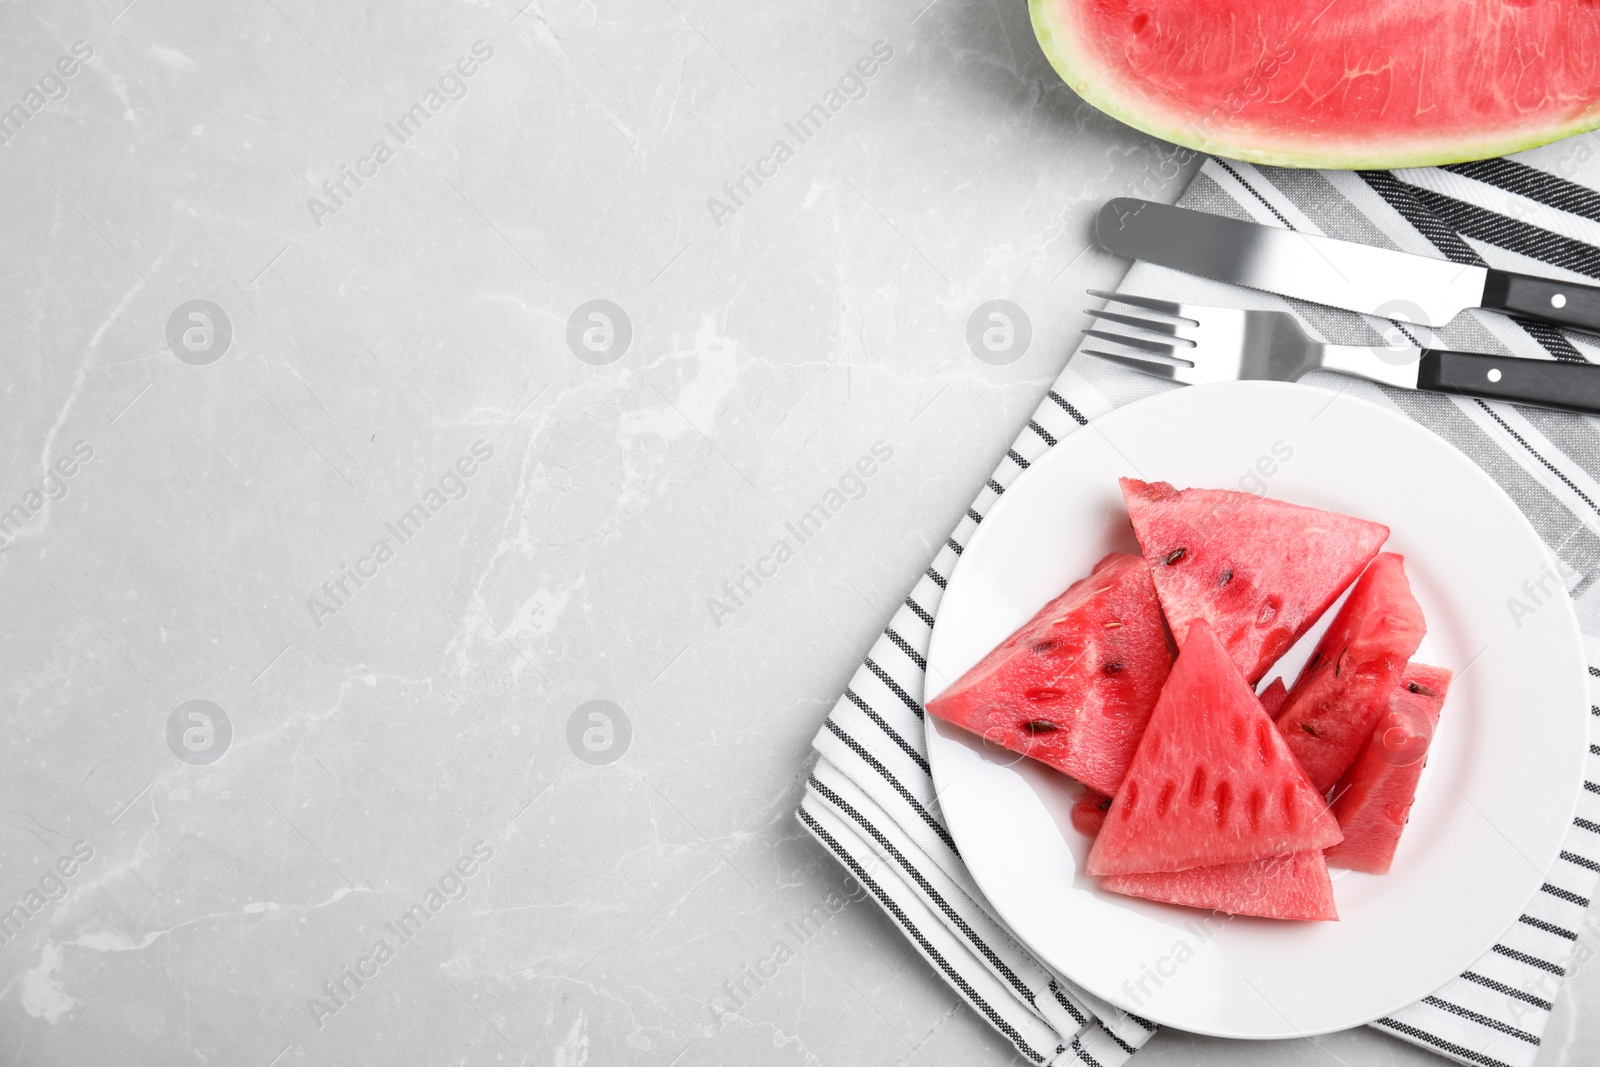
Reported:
(870, 800)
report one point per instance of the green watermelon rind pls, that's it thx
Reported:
(1099, 89)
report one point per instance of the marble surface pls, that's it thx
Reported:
(335, 501)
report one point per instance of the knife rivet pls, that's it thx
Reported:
(1494, 374)
(1558, 301)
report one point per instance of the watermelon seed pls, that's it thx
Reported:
(1264, 749)
(1339, 666)
(1310, 729)
(1418, 687)
(1039, 726)
(1114, 667)
(1105, 805)
(1111, 625)
(1227, 576)
(1253, 808)
(1224, 799)
(1164, 800)
(1175, 555)
(1043, 646)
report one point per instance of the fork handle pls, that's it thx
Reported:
(1544, 383)
(1563, 303)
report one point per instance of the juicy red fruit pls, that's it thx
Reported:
(1373, 799)
(1213, 781)
(1359, 86)
(1089, 813)
(1347, 683)
(1258, 571)
(1273, 696)
(1074, 686)
(1295, 886)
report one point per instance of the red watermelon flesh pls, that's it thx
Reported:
(1295, 886)
(1075, 685)
(1347, 682)
(1366, 86)
(1258, 571)
(1089, 813)
(1373, 799)
(1212, 782)
(1273, 696)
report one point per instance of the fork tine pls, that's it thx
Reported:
(1171, 371)
(1153, 325)
(1147, 302)
(1133, 342)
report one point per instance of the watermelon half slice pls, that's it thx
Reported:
(1353, 86)
(1373, 799)
(1258, 571)
(1212, 781)
(1347, 682)
(1295, 886)
(1075, 685)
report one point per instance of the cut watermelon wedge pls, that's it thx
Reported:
(1075, 685)
(1212, 781)
(1273, 696)
(1347, 682)
(1259, 571)
(1373, 799)
(1089, 813)
(1287, 887)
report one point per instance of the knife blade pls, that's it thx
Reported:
(1324, 270)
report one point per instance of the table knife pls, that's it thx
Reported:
(1323, 270)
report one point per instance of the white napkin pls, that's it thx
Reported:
(870, 799)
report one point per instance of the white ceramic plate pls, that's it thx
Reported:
(1503, 774)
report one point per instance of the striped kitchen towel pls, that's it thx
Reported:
(870, 798)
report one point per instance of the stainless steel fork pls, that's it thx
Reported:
(1210, 344)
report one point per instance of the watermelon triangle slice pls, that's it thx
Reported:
(1273, 696)
(1373, 799)
(1212, 782)
(1295, 886)
(1075, 685)
(1347, 682)
(1258, 571)
(1089, 813)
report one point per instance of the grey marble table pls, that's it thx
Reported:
(383, 387)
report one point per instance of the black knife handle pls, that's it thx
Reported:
(1541, 382)
(1563, 303)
